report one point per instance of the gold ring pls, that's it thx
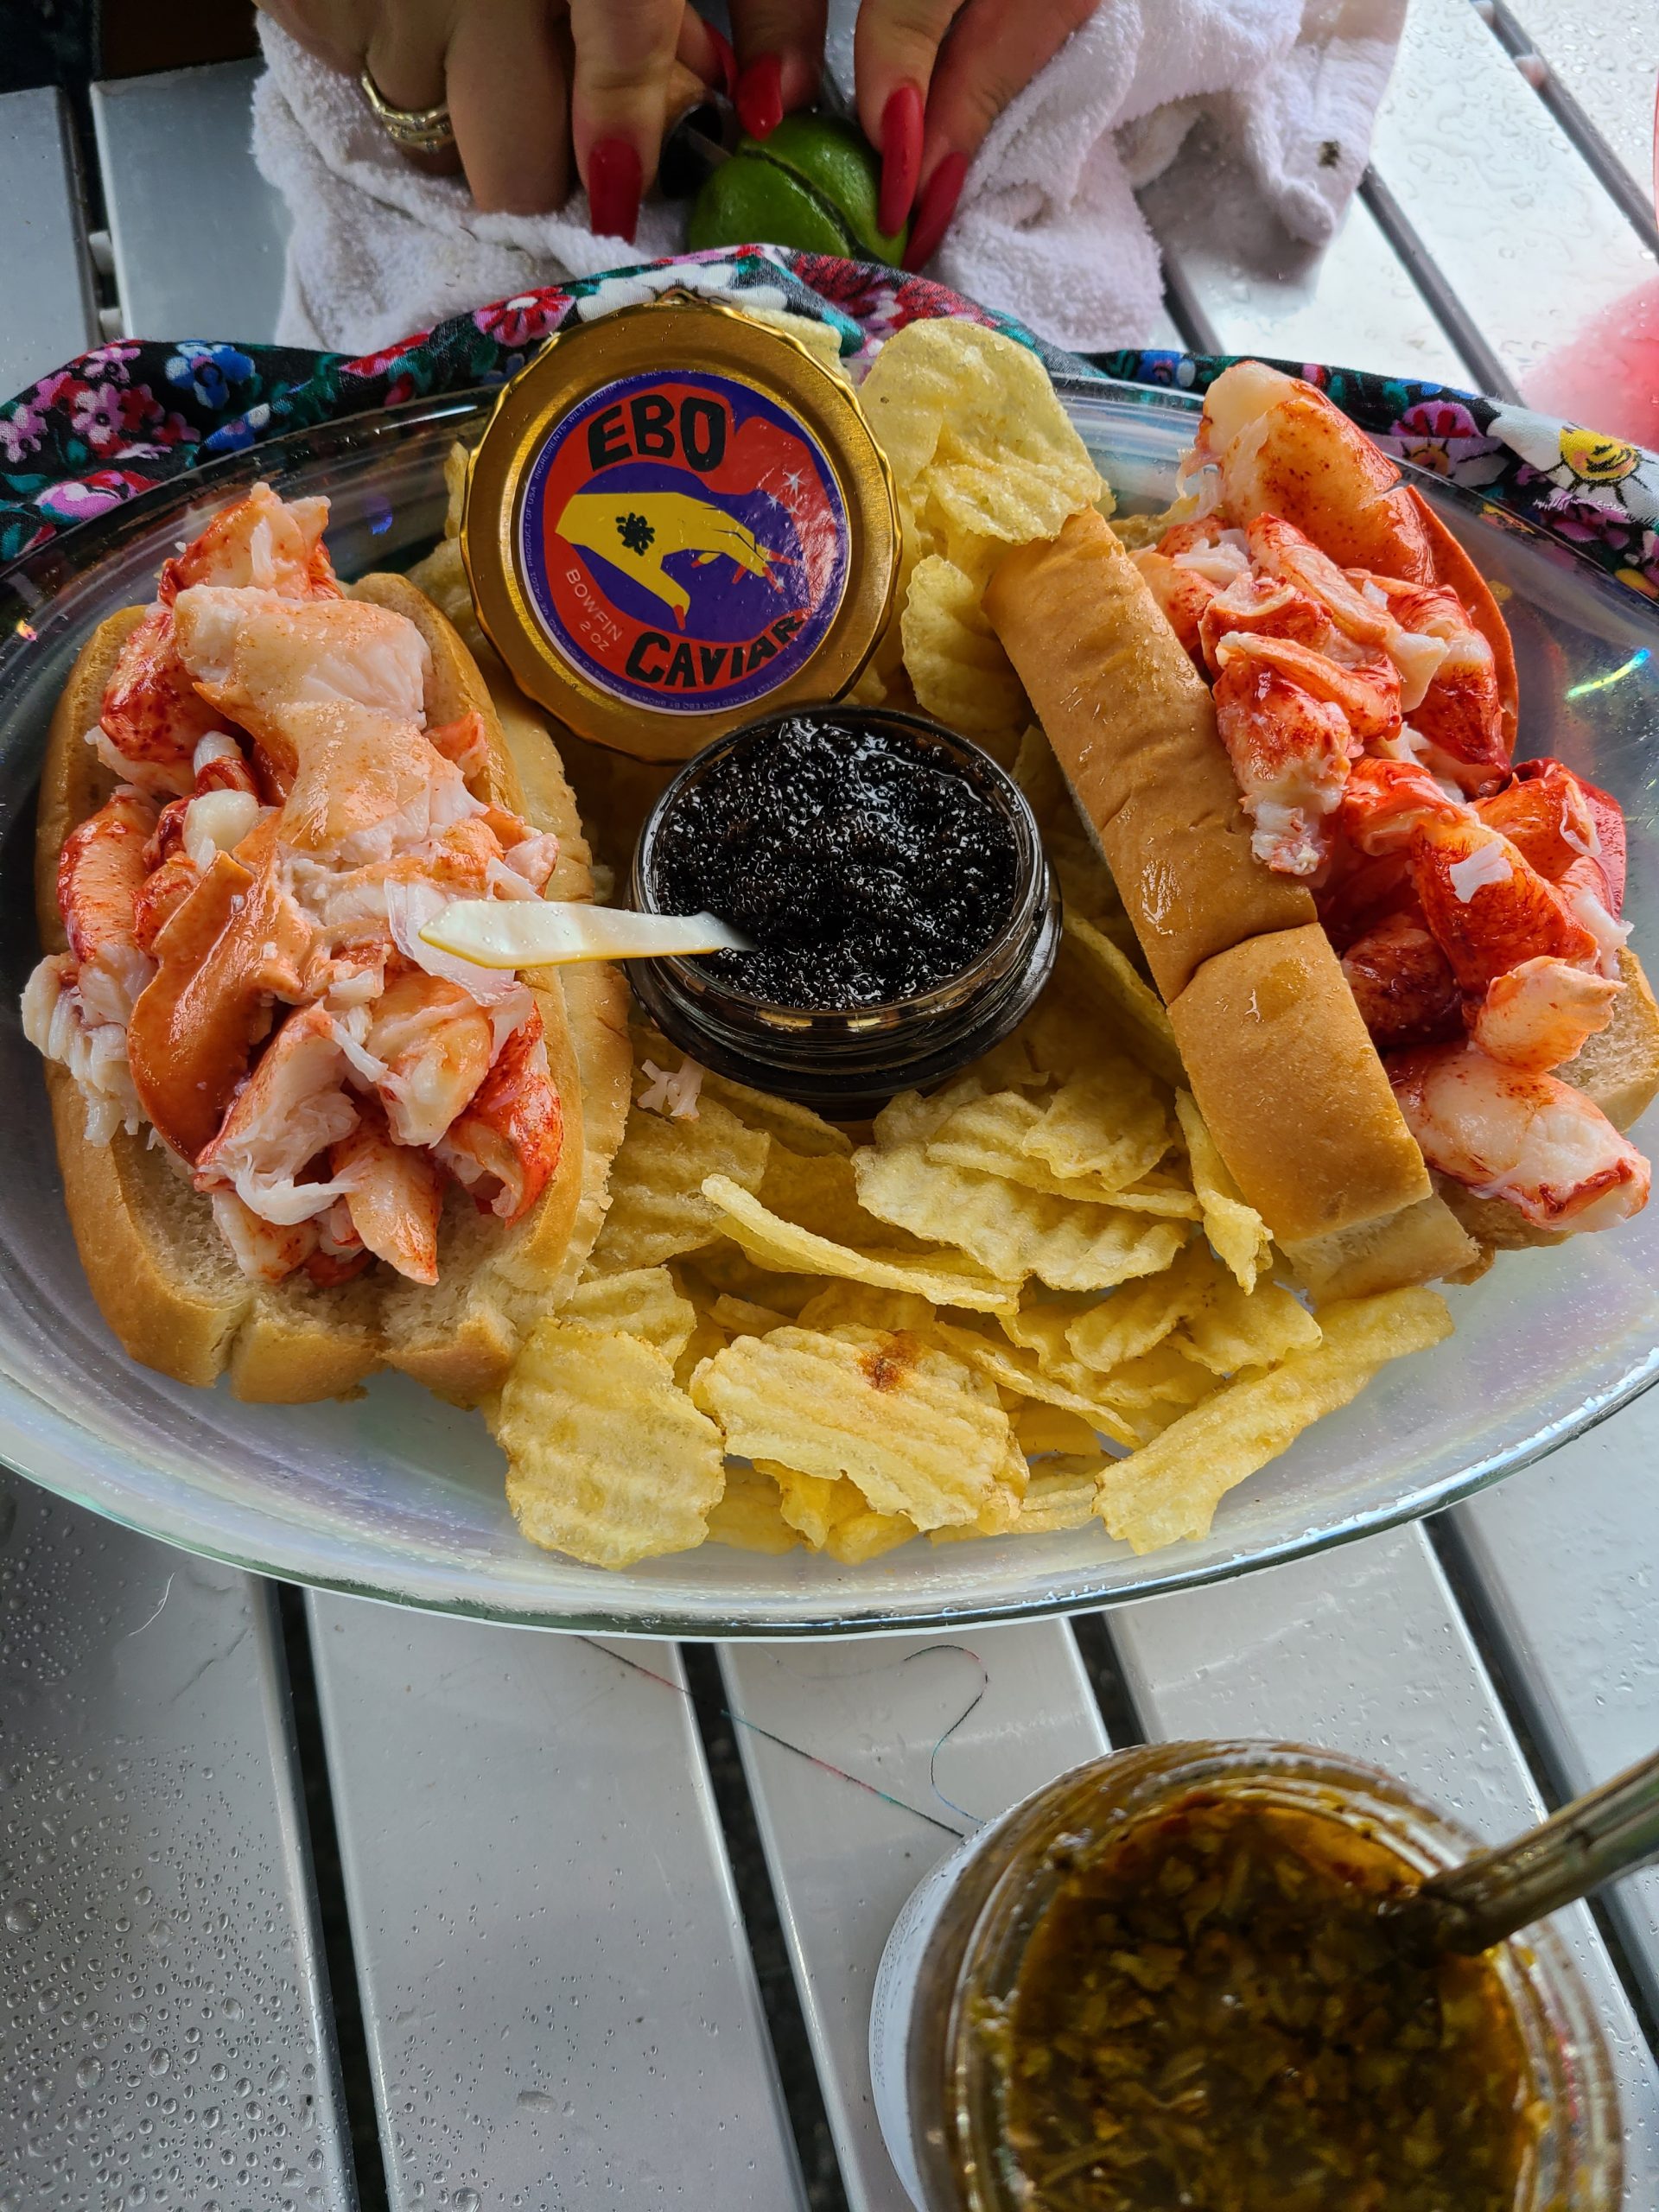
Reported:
(416, 130)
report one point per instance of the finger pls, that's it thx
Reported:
(894, 48)
(994, 49)
(508, 90)
(779, 59)
(618, 101)
(707, 53)
(406, 57)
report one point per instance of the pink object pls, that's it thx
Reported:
(1607, 377)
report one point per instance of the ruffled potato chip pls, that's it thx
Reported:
(1012, 1232)
(783, 1119)
(865, 1307)
(1169, 1490)
(725, 1268)
(1041, 1429)
(1061, 1497)
(949, 1277)
(1089, 960)
(607, 1458)
(913, 1428)
(820, 1195)
(639, 1302)
(742, 1317)
(955, 662)
(1236, 1329)
(748, 1515)
(1023, 1376)
(1236, 1231)
(1108, 1126)
(658, 1208)
(981, 407)
(1135, 1319)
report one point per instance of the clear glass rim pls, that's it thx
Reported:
(41, 1444)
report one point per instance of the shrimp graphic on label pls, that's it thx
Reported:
(637, 531)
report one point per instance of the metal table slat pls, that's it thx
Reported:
(1606, 55)
(1363, 1650)
(1511, 215)
(1014, 1707)
(556, 1987)
(1567, 1556)
(46, 277)
(1243, 277)
(202, 263)
(167, 2034)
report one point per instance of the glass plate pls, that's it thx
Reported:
(399, 1496)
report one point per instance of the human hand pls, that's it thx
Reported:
(531, 86)
(930, 78)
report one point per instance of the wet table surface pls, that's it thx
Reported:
(308, 1903)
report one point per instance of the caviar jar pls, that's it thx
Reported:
(909, 916)
(952, 1995)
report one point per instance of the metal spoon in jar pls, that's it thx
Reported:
(1606, 1832)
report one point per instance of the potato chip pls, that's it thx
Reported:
(657, 1207)
(953, 657)
(607, 1459)
(1108, 1126)
(1023, 1375)
(865, 1307)
(705, 1340)
(1170, 1488)
(1062, 1498)
(742, 1317)
(866, 1535)
(1040, 1325)
(748, 1515)
(725, 1266)
(1133, 1319)
(1161, 1193)
(639, 1302)
(783, 1119)
(1041, 1429)
(946, 1278)
(912, 1427)
(1158, 1387)
(1237, 1232)
(1236, 1329)
(811, 1505)
(820, 1195)
(980, 405)
(1011, 1232)
(1134, 1008)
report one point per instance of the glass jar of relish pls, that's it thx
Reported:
(1162, 1982)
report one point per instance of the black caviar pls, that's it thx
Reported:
(860, 860)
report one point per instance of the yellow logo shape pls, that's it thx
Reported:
(637, 531)
(1596, 460)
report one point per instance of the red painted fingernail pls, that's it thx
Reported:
(938, 204)
(901, 155)
(760, 96)
(614, 188)
(727, 60)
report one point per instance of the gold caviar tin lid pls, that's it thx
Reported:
(678, 519)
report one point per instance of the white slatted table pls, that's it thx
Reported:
(602, 1919)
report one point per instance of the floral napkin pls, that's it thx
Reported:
(134, 414)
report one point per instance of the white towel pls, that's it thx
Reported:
(1047, 230)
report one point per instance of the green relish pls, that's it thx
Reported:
(1211, 2017)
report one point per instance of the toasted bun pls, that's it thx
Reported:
(1423, 1242)
(1133, 725)
(164, 1279)
(1618, 1067)
(1287, 1076)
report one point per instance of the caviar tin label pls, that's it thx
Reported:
(678, 519)
(684, 540)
